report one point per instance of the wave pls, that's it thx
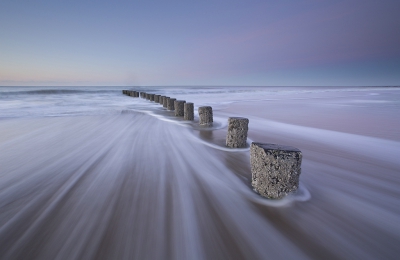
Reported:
(58, 91)
(10, 91)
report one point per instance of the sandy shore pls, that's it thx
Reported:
(136, 187)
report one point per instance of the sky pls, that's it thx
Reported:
(200, 43)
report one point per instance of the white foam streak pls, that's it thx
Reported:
(143, 184)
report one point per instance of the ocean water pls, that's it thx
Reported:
(89, 173)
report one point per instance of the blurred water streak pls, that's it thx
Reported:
(106, 185)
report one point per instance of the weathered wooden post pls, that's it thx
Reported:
(165, 103)
(205, 115)
(237, 132)
(178, 105)
(275, 169)
(188, 111)
(171, 104)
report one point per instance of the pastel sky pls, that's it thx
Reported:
(208, 42)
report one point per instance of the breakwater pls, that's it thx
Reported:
(81, 180)
(275, 168)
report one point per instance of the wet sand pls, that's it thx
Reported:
(133, 186)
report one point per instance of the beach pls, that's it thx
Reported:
(93, 174)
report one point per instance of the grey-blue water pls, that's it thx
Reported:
(89, 173)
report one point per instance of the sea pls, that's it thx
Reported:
(90, 173)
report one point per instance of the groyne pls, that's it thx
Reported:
(275, 169)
